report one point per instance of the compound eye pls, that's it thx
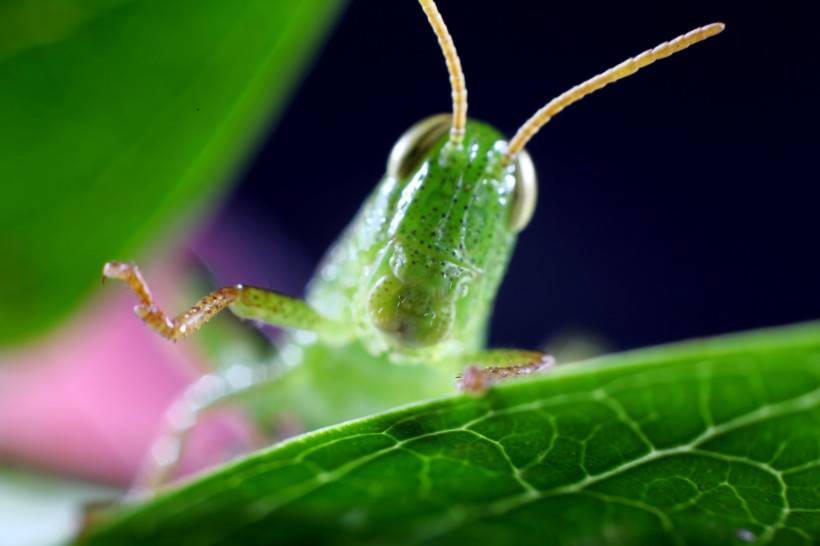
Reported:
(415, 143)
(526, 192)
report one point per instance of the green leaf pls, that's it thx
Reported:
(709, 442)
(120, 119)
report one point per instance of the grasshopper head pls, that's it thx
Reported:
(452, 213)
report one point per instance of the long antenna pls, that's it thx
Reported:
(457, 83)
(626, 68)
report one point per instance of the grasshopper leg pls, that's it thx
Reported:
(245, 301)
(490, 367)
(210, 393)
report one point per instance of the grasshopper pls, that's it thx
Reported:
(413, 278)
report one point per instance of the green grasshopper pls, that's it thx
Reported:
(413, 278)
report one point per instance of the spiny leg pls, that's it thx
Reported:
(487, 368)
(245, 301)
(210, 392)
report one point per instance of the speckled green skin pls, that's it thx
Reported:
(415, 274)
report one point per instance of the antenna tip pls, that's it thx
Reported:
(714, 28)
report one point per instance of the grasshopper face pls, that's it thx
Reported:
(449, 236)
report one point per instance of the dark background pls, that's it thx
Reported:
(681, 202)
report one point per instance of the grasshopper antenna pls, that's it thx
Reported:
(626, 68)
(457, 83)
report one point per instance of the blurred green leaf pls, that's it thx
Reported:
(709, 442)
(118, 119)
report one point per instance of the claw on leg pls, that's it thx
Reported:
(172, 328)
(476, 380)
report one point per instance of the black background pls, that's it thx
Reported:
(681, 202)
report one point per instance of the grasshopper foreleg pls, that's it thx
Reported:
(488, 368)
(245, 301)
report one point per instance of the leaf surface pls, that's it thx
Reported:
(707, 442)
